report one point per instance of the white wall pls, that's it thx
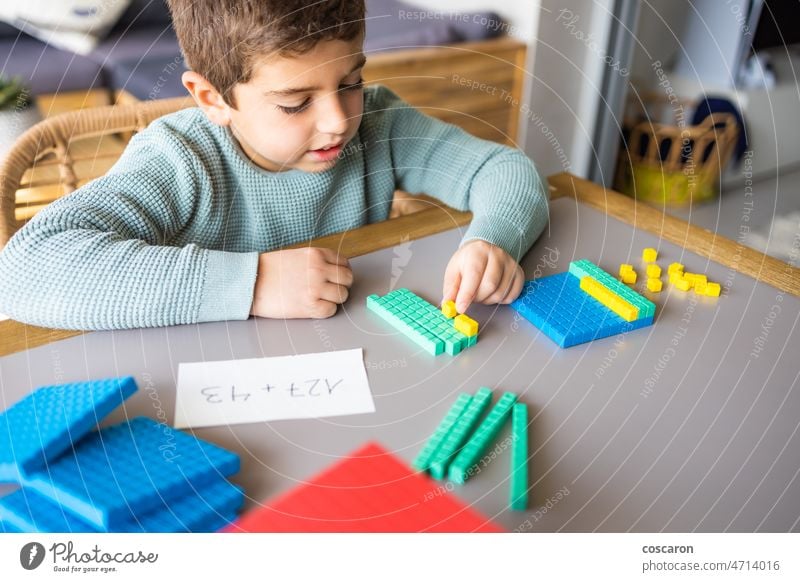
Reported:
(521, 15)
(563, 74)
(565, 93)
(661, 25)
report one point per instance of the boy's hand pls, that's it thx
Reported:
(308, 282)
(482, 272)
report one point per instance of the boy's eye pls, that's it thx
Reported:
(351, 86)
(304, 105)
(296, 108)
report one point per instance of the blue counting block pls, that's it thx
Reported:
(562, 311)
(200, 511)
(118, 474)
(50, 419)
(8, 528)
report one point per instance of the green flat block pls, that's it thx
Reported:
(426, 454)
(518, 491)
(432, 319)
(420, 321)
(483, 437)
(459, 433)
(405, 325)
(584, 267)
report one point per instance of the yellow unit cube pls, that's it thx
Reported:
(700, 287)
(675, 268)
(695, 278)
(629, 277)
(654, 284)
(653, 271)
(466, 325)
(649, 255)
(712, 289)
(449, 309)
(624, 268)
(681, 283)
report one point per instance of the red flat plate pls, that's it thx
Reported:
(368, 491)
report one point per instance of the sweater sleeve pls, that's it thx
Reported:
(499, 184)
(101, 257)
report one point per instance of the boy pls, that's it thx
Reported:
(285, 145)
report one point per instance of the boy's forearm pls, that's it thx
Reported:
(509, 203)
(87, 280)
(499, 184)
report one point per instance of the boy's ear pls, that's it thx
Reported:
(207, 98)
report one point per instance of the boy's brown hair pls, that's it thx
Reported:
(224, 39)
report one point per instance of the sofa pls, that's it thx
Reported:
(141, 56)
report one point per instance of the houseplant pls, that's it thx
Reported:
(18, 112)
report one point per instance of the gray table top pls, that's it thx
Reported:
(688, 425)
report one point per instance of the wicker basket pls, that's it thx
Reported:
(672, 166)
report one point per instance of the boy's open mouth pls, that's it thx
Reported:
(326, 154)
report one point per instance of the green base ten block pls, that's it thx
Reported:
(422, 462)
(420, 321)
(518, 493)
(484, 436)
(459, 433)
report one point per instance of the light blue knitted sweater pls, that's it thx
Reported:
(171, 234)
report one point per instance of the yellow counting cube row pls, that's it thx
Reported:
(610, 299)
(696, 281)
(677, 277)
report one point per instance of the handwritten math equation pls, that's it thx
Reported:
(311, 388)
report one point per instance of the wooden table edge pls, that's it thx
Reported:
(16, 337)
(738, 257)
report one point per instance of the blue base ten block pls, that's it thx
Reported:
(567, 315)
(118, 474)
(44, 424)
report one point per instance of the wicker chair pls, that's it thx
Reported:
(58, 155)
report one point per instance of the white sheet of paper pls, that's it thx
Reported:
(262, 389)
(3, 317)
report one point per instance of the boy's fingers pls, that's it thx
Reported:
(334, 257)
(334, 293)
(340, 275)
(516, 286)
(452, 280)
(491, 281)
(502, 288)
(322, 309)
(470, 280)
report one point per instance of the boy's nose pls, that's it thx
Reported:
(332, 117)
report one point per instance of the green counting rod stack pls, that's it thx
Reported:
(422, 462)
(459, 433)
(443, 453)
(483, 437)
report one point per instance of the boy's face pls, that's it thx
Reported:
(299, 112)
